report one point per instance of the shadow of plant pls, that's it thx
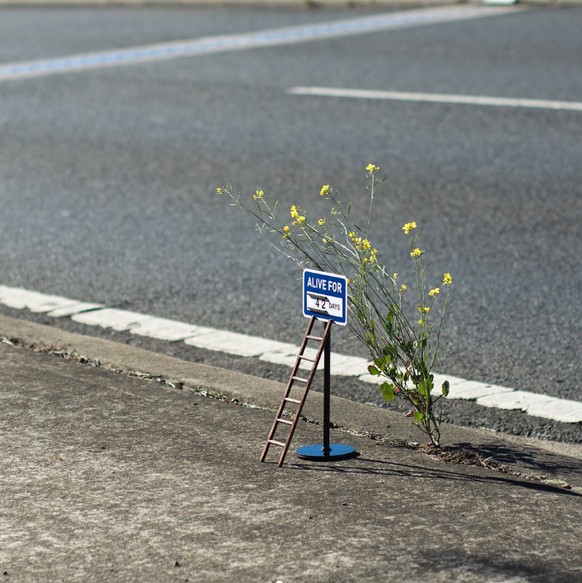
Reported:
(530, 458)
(369, 466)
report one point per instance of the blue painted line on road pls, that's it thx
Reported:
(209, 45)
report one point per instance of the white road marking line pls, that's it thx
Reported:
(169, 330)
(275, 352)
(238, 42)
(232, 343)
(41, 303)
(474, 390)
(118, 320)
(535, 405)
(437, 98)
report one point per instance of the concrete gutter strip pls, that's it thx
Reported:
(347, 415)
(248, 390)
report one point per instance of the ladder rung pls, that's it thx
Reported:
(286, 421)
(307, 358)
(314, 338)
(275, 442)
(300, 380)
(296, 401)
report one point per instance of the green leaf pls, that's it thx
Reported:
(383, 362)
(373, 371)
(445, 389)
(425, 386)
(389, 325)
(388, 391)
(418, 416)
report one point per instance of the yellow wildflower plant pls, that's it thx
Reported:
(403, 348)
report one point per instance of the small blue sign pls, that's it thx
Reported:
(325, 296)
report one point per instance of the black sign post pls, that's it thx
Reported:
(326, 451)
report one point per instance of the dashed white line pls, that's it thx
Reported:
(238, 42)
(437, 98)
(273, 351)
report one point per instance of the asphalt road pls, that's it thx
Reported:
(108, 175)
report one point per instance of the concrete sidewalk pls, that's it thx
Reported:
(111, 477)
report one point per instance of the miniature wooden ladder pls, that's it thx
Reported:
(287, 400)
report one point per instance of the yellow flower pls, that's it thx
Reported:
(409, 227)
(321, 222)
(258, 194)
(423, 309)
(372, 258)
(352, 235)
(447, 279)
(421, 322)
(415, 253)
(324, 190)
(395, 276)
(286, 231)
(219, 190)
(362, 244)
(295, 214)
(434, 292)
(403, 288)
(372, 168)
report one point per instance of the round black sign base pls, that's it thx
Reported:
(336, 452)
